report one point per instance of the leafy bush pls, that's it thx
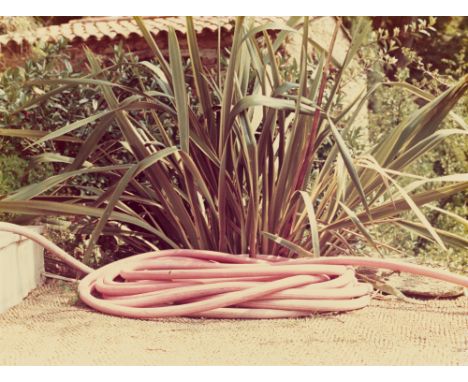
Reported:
(437, 43)
(72, 104)
(390, 106)
(23, 163)
(226, 161)
(15, 173)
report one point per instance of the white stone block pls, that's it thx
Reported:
(21, 267)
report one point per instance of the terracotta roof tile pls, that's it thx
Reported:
(106, 30)
(111, 27)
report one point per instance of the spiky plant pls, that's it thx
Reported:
(233, 171)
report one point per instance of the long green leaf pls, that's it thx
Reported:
(313, 223)
(201, 84)
(228, 91)
(180, 92)
(348, 161)
(288, 244)
(448, 237)
(43, 208)
(361, 227)
(36, 134)
(35, 189)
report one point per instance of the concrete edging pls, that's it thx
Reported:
(21, 267)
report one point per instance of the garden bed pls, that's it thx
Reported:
(52, 328)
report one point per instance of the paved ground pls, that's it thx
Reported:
(51, 328)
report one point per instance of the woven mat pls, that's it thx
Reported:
(51, 327)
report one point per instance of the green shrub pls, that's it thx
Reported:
(12, 171)
(70, 105)
(390, 106)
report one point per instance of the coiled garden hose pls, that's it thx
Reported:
(199, 283)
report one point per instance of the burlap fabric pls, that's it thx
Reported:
(52, 328)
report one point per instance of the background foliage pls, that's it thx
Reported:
(431, 54)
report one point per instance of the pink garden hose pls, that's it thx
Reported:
(198, 283)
